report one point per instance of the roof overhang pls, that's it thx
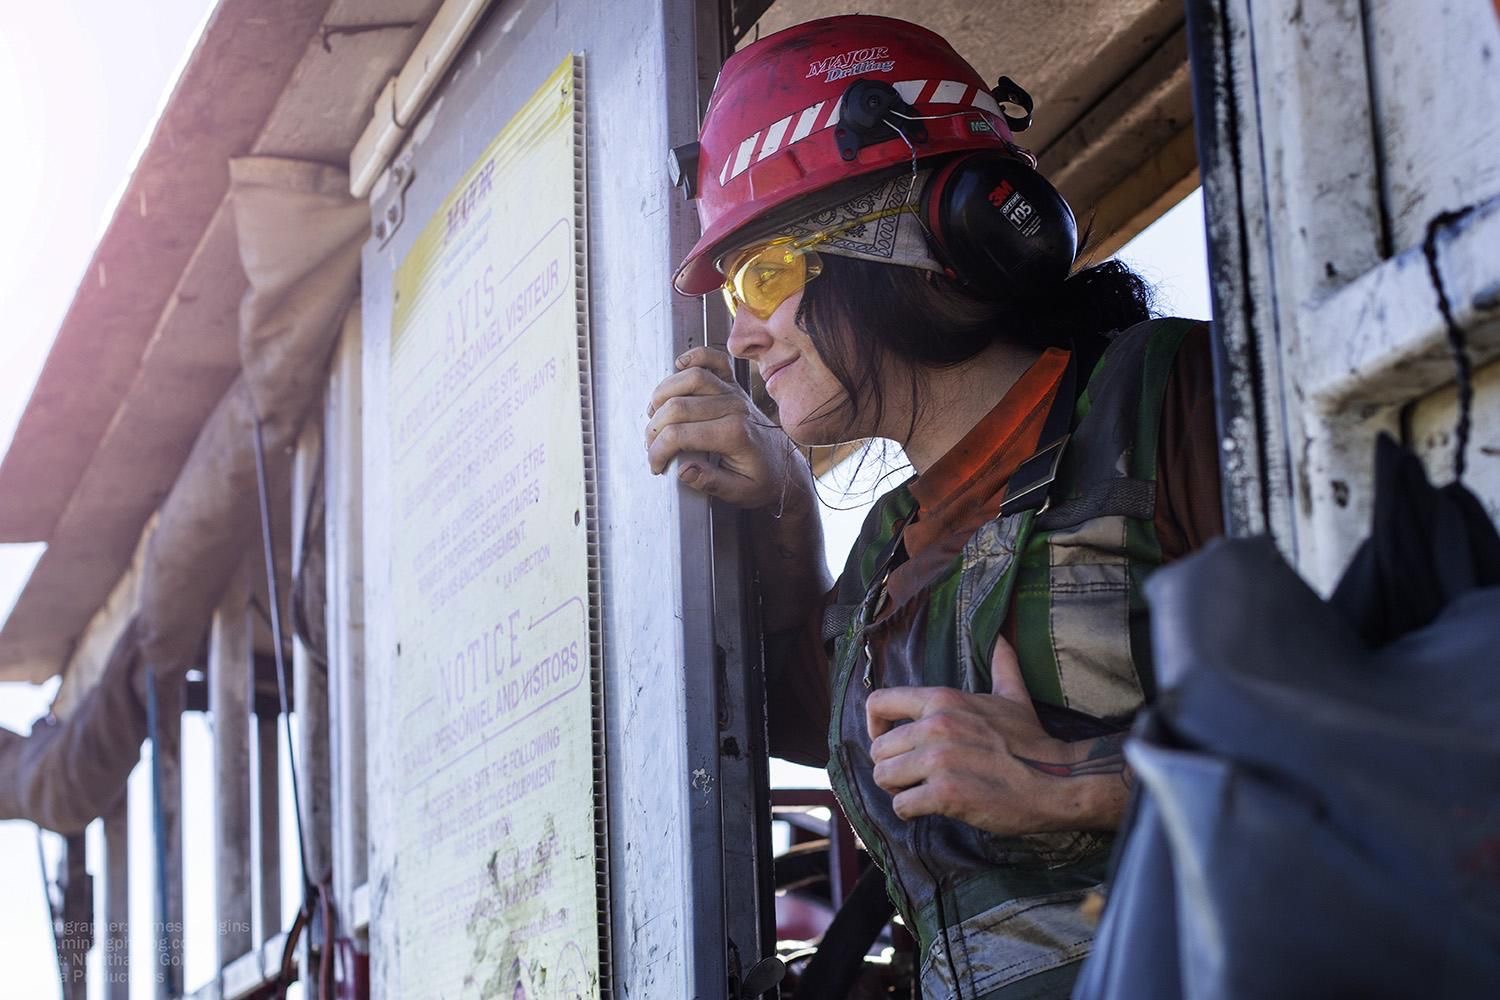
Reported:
(149, 346)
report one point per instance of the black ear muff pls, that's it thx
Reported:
(1001, 227)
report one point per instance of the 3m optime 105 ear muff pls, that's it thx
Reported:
(1000, 226)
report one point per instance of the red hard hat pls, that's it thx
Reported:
(771, 134)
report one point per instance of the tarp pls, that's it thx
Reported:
(1319, 813)
(300, 234)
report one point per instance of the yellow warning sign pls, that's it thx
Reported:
(495, 882)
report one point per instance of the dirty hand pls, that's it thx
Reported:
(985, 759)
(700, 408)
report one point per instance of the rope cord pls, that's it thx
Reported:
(310, 890)
(1457, 339)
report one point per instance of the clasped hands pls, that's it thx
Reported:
(986, 760)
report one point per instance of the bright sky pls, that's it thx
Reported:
(81, 82)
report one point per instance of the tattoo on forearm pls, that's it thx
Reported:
(1105, 756)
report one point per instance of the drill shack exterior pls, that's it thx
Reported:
(344, 431)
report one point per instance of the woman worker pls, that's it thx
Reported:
(897, 269)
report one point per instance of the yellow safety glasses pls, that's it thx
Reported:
(763, 277)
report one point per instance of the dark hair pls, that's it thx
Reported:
(861, 315)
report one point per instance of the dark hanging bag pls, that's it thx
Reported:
(1318, 803)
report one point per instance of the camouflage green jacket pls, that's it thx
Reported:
(998, 916)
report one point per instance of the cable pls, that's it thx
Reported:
(310, 888)
(1457, 340)
(273, 593)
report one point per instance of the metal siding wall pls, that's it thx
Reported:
(1432, 423)
(1435, 72)
(641, 92)
(1330, 320)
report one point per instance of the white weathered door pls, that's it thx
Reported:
(1340, 140)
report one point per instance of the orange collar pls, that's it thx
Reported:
(964, 488)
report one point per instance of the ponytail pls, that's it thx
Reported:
(859, 312)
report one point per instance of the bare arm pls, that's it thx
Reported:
(794, 585)
(788, 546)
(699, 411)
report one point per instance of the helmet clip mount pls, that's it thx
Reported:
(864, 117)
(1008, 91)
(682, 168)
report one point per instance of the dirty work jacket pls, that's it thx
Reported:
(991, 912)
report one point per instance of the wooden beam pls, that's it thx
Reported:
(1167, 177)
(1109, 163)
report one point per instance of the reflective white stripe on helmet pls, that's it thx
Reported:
(805, 123)
(910, 90)
(987, 102)
(950, 92)
(742, 158)
(773, 137)
(820, 116)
